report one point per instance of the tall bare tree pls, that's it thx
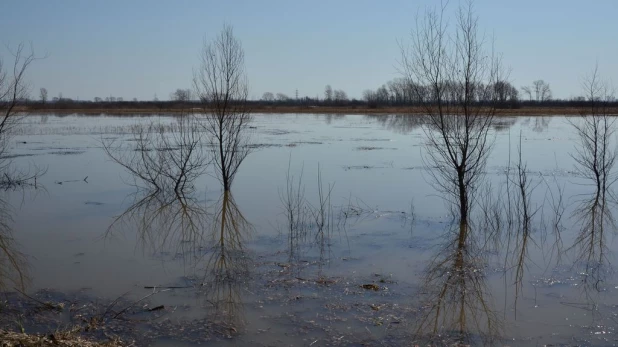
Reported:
(43, 95)
(542, 91)
(328, 93)
(221, 85)
(457, 74)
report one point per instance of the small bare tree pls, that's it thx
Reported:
(13, 86)
(595, 157)
(458, 74)
(13, 89)
(164, 161)
(221, 85)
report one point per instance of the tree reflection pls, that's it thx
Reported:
(13, 263)
(595, 157)
(399, 123)
(590, 245)
(538, 124)
(168, 215)
(165, 219)
(228, 264)
(164, 162)
(457, 307)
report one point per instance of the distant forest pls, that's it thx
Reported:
(395, 93)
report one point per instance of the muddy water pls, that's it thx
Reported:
(257, 282)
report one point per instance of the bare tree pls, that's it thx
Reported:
(595, 157)
(13, 89)
(43, 95)
(458, 74)
(505, 92)
(528, 91)
(221, 84)
(542, 91)
(268, 96)
(282, 97)
(13, 86)
(181, 95)
(340, 96)
(328, 93)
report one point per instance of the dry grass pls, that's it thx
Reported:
(67, 338)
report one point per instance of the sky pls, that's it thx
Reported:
(142, 48)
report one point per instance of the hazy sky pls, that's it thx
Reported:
(142, 48)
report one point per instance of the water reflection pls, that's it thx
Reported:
(399, 123)
(13, 263)
(595, 156)
(504, 123)
(457, 306)
(538, 124)
(309, 226)
(227, 267)
(407, 123)
(591, 249)
(168, 217)
(164, 164)
(165, 221)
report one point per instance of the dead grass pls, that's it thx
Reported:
(66, 338)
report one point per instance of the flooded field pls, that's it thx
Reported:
(333, 233)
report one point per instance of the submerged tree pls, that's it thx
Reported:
(164, 161)
(458, 76)
(221, 85)
(595, 157)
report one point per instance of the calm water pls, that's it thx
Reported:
(257, 282)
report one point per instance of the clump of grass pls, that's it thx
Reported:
(65, 338)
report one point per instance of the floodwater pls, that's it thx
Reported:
(372, 266)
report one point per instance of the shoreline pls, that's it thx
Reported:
(524, 111)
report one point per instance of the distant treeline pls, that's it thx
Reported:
(304, 102)
(399, 93)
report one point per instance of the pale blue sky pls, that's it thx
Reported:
(139, 48)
